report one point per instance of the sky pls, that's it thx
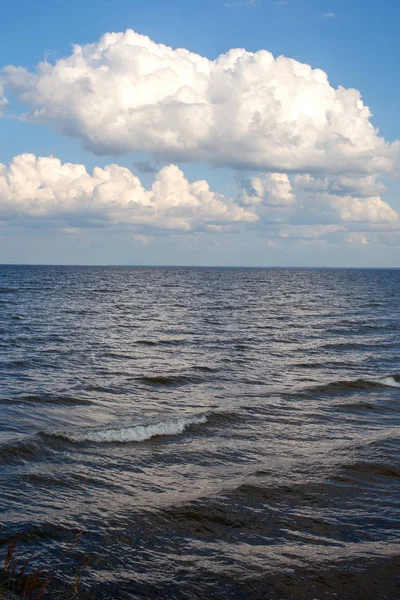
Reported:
(238, 133)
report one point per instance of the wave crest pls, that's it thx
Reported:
(387, 381)
(129, 432)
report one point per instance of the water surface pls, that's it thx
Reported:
(206, 433)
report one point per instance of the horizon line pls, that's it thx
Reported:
(182, 266)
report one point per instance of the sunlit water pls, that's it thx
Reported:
(206, 433)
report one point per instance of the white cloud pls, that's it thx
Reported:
(320, 208)
(268, 189)
(341, 185)
(3, 99)
(45, 189)
(126, 93)
(345, 199)
(142, 239)
(358, 239)
(329, 15)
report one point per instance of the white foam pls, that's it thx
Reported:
(130, 432)
(388, 381)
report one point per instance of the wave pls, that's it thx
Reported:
(357, 406)
(117, 356)
(389, 381)
(371, 470)
(45, 399)
(359, 384)
(161, 342)
(167, 380)
(18, 449)
(128, 432)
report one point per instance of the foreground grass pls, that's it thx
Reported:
(20, 580)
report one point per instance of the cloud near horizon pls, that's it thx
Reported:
(43, 191)
(128, 93)
(42, 188)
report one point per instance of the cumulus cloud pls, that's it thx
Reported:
(341, 185)
(306, 207)
(243, 109)
(345, 199)
(267, 189)
(44, 188)
(297, 207)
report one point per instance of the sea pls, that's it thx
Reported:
(214, 433)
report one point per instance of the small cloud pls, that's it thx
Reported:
(3, 100)
(240, 4)
(72, 230)
(144, 166)
(142, 239)
(329, 15)
(357, 239)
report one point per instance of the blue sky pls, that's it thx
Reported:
(356, 44)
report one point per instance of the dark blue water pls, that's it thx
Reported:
(202, 433)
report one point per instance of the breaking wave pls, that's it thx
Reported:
(128, 432)
(387, 381)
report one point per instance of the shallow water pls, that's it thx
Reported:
(206, 433)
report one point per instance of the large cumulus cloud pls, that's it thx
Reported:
(243, 109)
(43, 188)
